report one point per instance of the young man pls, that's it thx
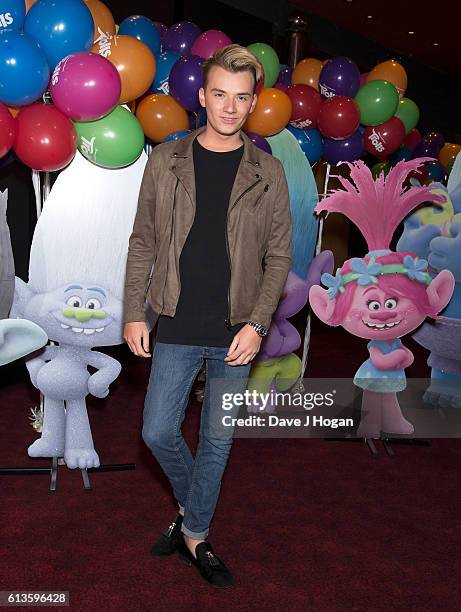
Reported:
(213, 229)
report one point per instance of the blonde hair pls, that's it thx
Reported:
(233, 58)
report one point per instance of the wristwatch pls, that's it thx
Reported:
(259, 328)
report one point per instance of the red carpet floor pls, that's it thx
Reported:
(304, 524)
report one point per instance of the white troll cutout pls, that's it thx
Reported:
(75, 293)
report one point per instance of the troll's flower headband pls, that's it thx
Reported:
(366, 273)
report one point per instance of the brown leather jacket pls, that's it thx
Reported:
(258, 233)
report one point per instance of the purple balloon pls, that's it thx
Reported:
(434, 138)
(339, 77)
(427, 149)
(260, 142)
(348, 149)
(281, 86)
(180, 37)
(209, 42)
(285, 76)
(185, 80)
(161, 29)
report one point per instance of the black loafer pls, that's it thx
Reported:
(169, 541)
(211, 567)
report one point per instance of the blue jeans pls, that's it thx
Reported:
(196, 482)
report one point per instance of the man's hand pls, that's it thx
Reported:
(136, 335)
(244, 347)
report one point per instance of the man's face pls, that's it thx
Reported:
(228, 99)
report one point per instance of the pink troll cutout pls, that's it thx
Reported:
(384, 295)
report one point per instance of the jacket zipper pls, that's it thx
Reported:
(227, 321)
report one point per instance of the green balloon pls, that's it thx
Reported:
(383, 166)
(377, 101)
(408, 113)
(115, 141)
(270, 61)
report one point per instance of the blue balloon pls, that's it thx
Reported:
(310, 142)
(402, 153)
(176, 135)
(201, 117)
(164, 63)
(61, 27)
(24, 72)
(13, 13)
(144, 30)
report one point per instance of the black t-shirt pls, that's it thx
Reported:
(204, 269)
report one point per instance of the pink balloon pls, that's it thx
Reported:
(208, 42)
(85, 86)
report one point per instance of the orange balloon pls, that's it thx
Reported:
(307, 72)
(29, 3)
(271, 113)
(103, 21)
(134, 61)
(160, 115)
(390, 71)
(448, 152)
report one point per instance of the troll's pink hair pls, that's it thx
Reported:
(377, 207)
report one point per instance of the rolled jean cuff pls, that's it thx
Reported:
(194, 534)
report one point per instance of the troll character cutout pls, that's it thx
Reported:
(384, 295)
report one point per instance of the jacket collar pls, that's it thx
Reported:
(248, 173)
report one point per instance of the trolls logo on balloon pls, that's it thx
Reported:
(56, 72)
(104, 41)
(88, 148)
(6, 19)
(326, 91)
(376, 141)
(301, 125)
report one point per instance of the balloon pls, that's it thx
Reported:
(115, 141)
(185, 81)
(12, 15)
(45, 138)
(434, 170)
(85, 86)
(269, 60)
(435, 138)
(448, 152)
(306, 102)
(162, 30)
(307, 71)
(339, 117)
(450, 165)
(363, 78)
(402, 153)
(160, 115)
(383, 166)
(271, 113)
(260, 142)
(390, 71)
(208, 42)
(104, 24)
(144, 30)
(282, 86)
(24, 72)
(348, 149)
(310, 142)
(180, 37)
(164, 63)
(412, 139)
(176, 135)
(7, 130)
(382, 140)
(426, 149)
(377, 101)
(60, 28)
(339, 77)
(408, 113)
(285, 75)
(134, 61)
(201, 117)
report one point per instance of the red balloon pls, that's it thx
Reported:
(306, 102)
(7, 130)
(45, 138)
(413, 139)
(382, 140)
(339, 117)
